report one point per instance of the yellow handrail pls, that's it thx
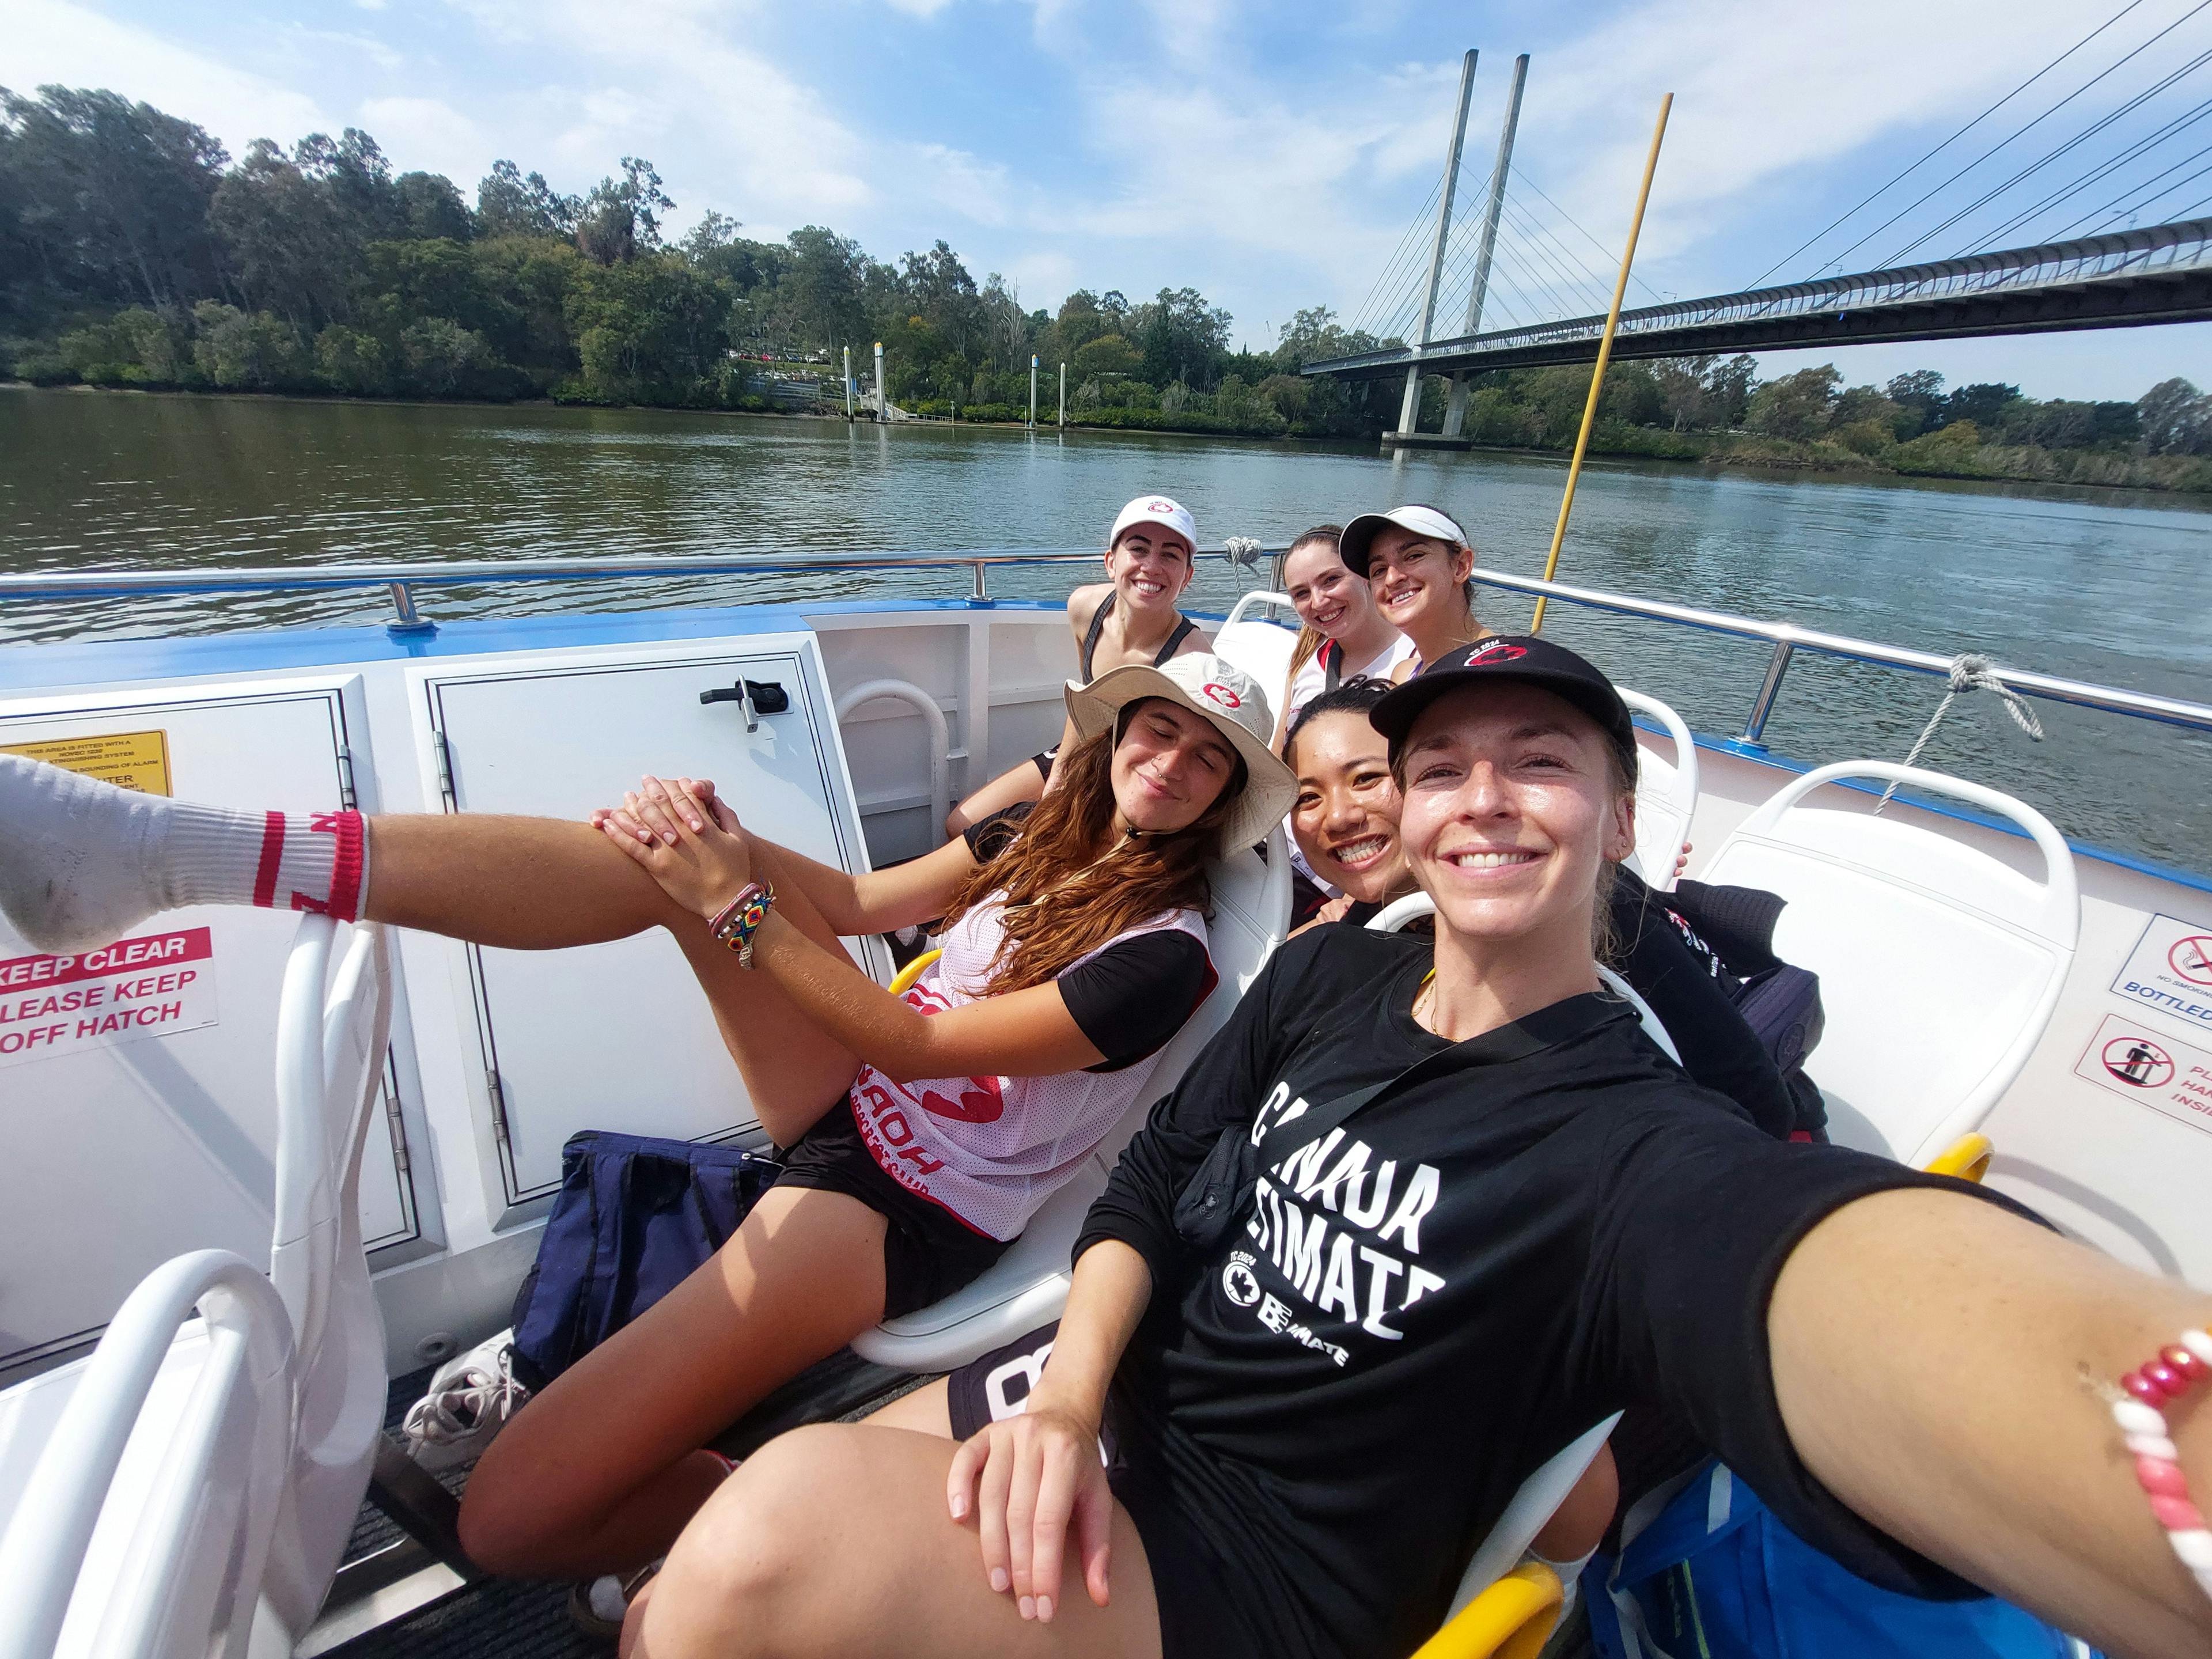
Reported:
(1604, 357)
(912, 972)
(1511, 1620)
(1966, 1158)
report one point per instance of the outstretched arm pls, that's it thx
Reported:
(1933, 1357)
(701, 859)
(876, 901)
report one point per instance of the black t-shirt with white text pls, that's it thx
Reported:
(1427, 1303)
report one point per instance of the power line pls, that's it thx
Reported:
(2083, 136)
(2011, 137)
(1897, 178)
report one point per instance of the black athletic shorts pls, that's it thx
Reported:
(1043, 761)
(1195, 1622)
(929, 1251)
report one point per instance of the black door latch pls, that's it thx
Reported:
(758, 697)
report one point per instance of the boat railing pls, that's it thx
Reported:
(1786, 639)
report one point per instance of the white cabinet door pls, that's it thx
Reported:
(140, 1117)
(618, 1035)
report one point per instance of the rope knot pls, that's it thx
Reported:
(1243, 550)
(1972, 672)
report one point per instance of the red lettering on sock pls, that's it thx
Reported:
(345, 878)
(272, 856)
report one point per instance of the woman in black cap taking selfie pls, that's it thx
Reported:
(1420, 1216)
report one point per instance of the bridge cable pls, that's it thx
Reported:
(1533, 228)
(2015, 133)
(2180, 124)
(1611, 256)
(1366, 305)
(2083, 136)
(1899, 177)
(2164, 189)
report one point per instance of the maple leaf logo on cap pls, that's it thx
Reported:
(1160, 506)
(1495, 651)
(1222, 695)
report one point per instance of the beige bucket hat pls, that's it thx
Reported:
(1221, 693)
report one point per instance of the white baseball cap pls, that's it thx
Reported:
(1224, 695)
(1160, 510)
(1359, 535)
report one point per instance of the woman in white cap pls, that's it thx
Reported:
(922, 1132)
(1130, 617)
(1423, 1214)
(1421, 566)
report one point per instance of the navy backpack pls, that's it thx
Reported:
(634, 1217)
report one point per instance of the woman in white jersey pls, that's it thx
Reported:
(1344, 637)
(1422, 568)
(921, 1133)
(1130, 617)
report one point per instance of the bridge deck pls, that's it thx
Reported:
(2159, 274)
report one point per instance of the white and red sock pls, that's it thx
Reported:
(82, 862)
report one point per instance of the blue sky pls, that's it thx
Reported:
(1270, 155)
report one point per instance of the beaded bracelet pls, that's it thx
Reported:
(2173, 1373)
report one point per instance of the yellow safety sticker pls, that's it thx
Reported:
(130, 760)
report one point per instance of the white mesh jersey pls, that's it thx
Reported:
(991, 1149)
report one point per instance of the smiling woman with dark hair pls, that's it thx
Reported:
(1317, 1395)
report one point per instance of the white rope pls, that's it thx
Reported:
(1972, 672)
(1244, 550)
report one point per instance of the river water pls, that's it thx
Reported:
(2104, 586)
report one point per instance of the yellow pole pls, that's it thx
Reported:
(1604, 357)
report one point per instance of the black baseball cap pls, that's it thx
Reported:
(1511, 657)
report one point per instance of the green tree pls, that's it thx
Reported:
(621, 219)
(106, 199)
(648, 330)
(2176, 419)
(1988, 404)
(430, 209)
(1796, 405)
(1921, 393)
(248, 351)
(353, 361)
(1182, 338)
(510, 204)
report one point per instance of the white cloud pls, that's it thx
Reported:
(924, 9)
(428, 134)
(975, 189)
(51, 40)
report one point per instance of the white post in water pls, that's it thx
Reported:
(883, 397)
(1063, 394)
(1033, 369)
(848, 383)
(1409, 411)
(1456, 410)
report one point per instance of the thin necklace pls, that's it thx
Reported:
(1425, 994)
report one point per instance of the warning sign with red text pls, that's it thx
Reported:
(155, 985)
(2170, 971)
(2150, 1067)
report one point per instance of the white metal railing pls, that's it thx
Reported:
(1787, 639)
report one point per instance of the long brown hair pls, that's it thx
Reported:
(1060, 904)
(1310, 637)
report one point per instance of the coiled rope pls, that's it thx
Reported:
(1243, 550)
(1972, 672)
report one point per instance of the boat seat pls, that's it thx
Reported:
(1939, 963)
(1027, 1287)
(1666, 794)
(1262, 648)
(67, 1439)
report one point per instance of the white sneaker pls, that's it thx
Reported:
(472, 1397)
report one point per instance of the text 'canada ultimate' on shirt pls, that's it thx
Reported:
(1425, 1304)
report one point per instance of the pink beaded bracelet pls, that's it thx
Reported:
(2138, 1410)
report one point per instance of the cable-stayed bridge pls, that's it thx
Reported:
(2046, 227)
(2159, 274)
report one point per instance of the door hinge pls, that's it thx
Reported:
(347, 798)
(397, 1123)
(445, 752)
(498, 1096)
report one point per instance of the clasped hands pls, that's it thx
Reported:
(685, 836)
